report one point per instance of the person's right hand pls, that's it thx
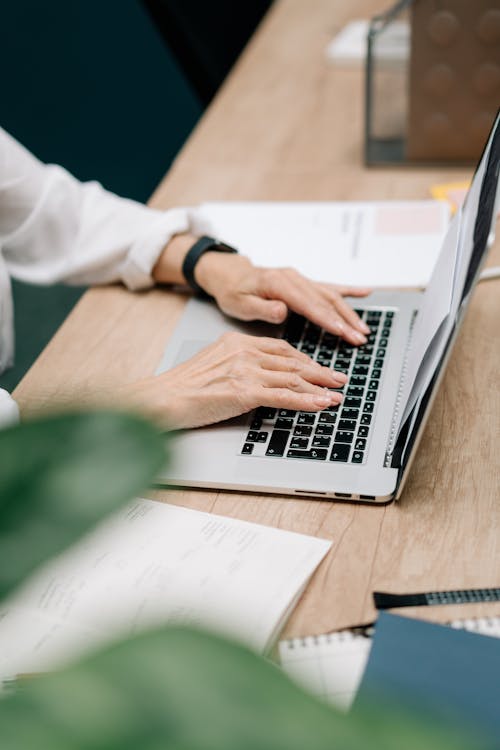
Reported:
(232, 376)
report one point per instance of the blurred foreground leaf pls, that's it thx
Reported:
(184, 689)
(60, 475)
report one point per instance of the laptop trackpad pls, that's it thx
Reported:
(188, 349)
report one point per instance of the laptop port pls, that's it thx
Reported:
(343, 494)
(367, 497)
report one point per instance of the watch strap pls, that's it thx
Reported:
(201, 246)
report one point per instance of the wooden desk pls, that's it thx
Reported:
(287, 126)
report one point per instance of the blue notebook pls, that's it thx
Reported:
(449, 676)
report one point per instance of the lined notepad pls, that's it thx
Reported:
(332, 665)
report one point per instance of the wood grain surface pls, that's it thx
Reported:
(287, 125)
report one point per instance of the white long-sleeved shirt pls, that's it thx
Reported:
(54, 228)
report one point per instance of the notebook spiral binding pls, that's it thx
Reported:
(482, 625)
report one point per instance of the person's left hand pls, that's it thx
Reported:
(249, 292)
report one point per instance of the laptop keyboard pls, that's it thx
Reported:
(339, 433)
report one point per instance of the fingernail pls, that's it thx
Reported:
(339, 377)
(359, 338)
(322, 400)
(336, 398)
(364, 327)
(340, 327)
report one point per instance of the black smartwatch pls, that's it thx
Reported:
(203, 245)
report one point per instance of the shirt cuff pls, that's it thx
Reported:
(136, 271)
(9, 410)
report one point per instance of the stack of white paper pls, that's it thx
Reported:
(375, 244)
(153, 564)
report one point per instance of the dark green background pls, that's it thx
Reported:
(90, 85)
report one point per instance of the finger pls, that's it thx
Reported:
(346, 311)
(311, 300)
(298, 384)
(252, 307)
(283, 398)
(312, 371)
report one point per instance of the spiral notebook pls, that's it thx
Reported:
(332, 665)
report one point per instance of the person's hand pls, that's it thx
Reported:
(248, 292)
(230, 377)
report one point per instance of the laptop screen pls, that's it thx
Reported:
(474, 236)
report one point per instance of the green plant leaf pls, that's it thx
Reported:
(60, 475)
(188, 690)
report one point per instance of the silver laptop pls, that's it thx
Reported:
(361, 450)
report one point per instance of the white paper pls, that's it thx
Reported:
(330, 666)
(153, 564)
(376, 244)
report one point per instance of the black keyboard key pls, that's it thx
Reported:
(340, 452)
(252, 436)
(326, 418)
(344, 437)
(293, 329)
(357, 380)
(324, 361)
(389, 314)
(352, 401)
(373, 385)
(370, 339)
(320, 441)
(383, 343)
(368, 408)
(357, 457)
(299, 442)
(349, 413)
(360, 444)
(324, 429)
(363, 432)
(371, 396)
(335, 407)
(302, 430)
(347, 424)
(380, 353)
(264, 412)
(304, 418)
(286, 413)
(360, 370)
(378, 363)
(319, 454)
(284, 424)
(256, 423)
(308, 348)
(247, 448)
(363, 359)
(277, 443)
(386, 332)
(344, 363)
(375, 314)
(355, 390)
(366, 419)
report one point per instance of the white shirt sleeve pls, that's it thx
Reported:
(9, 410)
(55, 228)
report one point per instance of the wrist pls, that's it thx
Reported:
(168, 267)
